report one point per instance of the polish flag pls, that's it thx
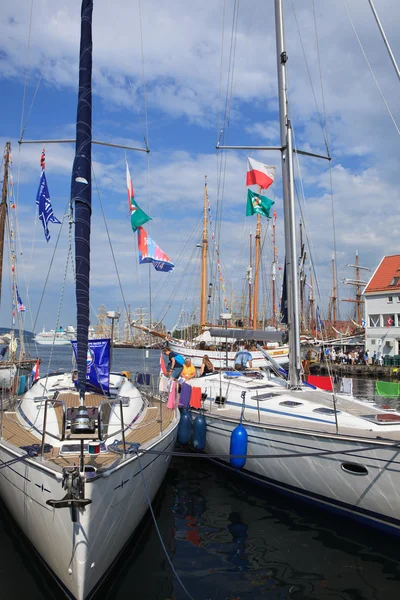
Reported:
(259, 174)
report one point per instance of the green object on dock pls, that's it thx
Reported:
(387, 389)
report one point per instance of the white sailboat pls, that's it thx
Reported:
(333, 450)
(73, 468)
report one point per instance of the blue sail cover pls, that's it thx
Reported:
(97, 364)
(81, 191)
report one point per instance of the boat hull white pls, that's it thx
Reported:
(218, 357)
(80, 554)
(372, 497)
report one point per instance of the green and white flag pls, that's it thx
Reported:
(258, 204)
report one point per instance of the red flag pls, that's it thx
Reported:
(42, 160)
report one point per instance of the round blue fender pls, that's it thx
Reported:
(185, 428)
(238, 446)
(199, 433)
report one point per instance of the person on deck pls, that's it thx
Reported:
(188, 371)
(175, 364)
(206, 366)
(243, 359)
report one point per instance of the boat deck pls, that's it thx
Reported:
(319, 422)
(156, 419)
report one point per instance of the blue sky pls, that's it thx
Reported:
(181, 62)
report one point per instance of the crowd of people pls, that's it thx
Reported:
(181, 369)
(358, 356)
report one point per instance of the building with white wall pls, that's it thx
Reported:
(382, 309)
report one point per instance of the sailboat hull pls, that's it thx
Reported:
(218, 357)
(371, 496)
(80, 554)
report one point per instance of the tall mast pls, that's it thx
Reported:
(3, 208)
(81, 191)
(203, 281)
(250, 279)
(312, 324)
(257, 269)
(274, 309)
(288, 206)
(334, 294)
(359, 286)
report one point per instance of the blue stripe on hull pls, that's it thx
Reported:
(386, 524)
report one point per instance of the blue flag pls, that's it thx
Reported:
(97, 364)
(45, 208)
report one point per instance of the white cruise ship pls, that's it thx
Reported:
(61, 337)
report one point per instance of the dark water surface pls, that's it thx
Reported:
(228, 540)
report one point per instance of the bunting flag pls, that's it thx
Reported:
(43, 201)
(138, 216)
(258, 204)
(35, 372)
(21, 306)
(259, 174)
(149, 252)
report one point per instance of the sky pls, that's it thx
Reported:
(172, 73)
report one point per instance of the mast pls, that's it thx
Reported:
(3, 208)
(288, 206)
(257, 269)
(81, 192)
(359, 287)
(250, 279)
(334, 294)
(274, 309)
(312, 324)
(203, 280)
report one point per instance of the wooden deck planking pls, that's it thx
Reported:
(144, 431)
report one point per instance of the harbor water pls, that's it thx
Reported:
(227, 540)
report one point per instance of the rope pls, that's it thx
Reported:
(370, 68)
(27, 66)
(158, 531)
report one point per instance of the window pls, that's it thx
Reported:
(374, 320)
(390, 298)
(373, 342)
(394, 282)
(326, 411)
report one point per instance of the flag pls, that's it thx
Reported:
(258, 204)
(363, 322)
(320, 323)
(138, 216)
(35, 372)
(259, 174)
(43, 201)
(149, 252)
(97, 364)
(389, 322)
(21, 306)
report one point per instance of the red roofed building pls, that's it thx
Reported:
(382, 309)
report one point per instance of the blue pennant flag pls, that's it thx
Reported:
(97, 364)
(45, 208)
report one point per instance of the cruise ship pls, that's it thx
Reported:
(61, 337)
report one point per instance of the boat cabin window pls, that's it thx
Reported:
(326, 411)
(291, 403)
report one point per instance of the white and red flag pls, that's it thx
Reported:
(259, 174)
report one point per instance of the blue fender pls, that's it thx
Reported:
(185, 428)
(238, 446)
(199, 433)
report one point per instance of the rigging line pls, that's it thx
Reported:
(26, 68)
(158, 530)
(49, 270)
(309, 75)
(370, 68)
(109, 239)
(143, 76)
(27, 283)
(220, 73)
(131, 87)
(327, 141)
(385, 40)
(33, 100)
